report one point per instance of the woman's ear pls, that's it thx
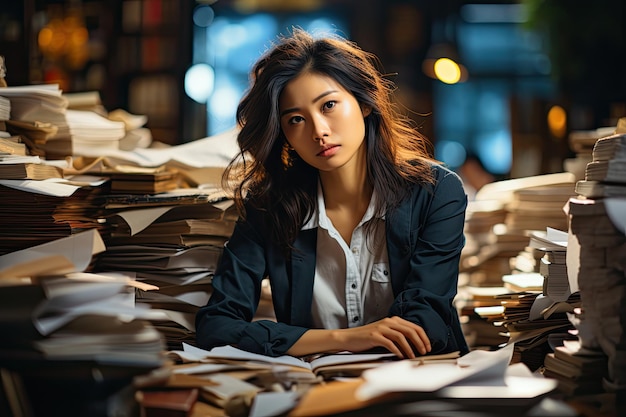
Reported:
(366, 110)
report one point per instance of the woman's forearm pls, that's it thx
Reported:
(397, 335)
(316, 341)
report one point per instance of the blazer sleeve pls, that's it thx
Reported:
(227, 317)
(431, 280)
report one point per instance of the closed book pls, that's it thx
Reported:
(167, 403)
(141, 187)
(583, 371)
(12, 146)
(29, 171)
(581, 357)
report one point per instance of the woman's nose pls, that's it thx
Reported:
(321, 130)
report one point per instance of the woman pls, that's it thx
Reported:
(358, 230)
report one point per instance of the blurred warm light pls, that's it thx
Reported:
(557, 121)
(447, 71)
(442, 63)
(45, 38)
(65, 41)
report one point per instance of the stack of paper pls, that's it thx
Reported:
(63, 328)
(173, 241)
(555, 298)
(613, 170)
(37, 104)
(502, 215)
(597, 229)
(480, 383)
(535, 208)
(528, 260)
(223, 372)
(29, 167)
(5, 109)
(92, 134)
(605, 175)
(12, 145)
(58, 268)
(150, 182)
(5, 114)
(610, 147)
(481, 244)
(578, 370)
(35, 212)
(582, 143)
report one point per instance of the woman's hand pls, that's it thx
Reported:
(401, 337)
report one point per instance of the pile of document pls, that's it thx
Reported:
(93, 134)
(36, 212)
(578, 370)
(501, 216)
(600, 242)
(499, 226)
(481, 383)
(173, 241)
(605, 175)
(5, 114)
(39, 113)
(72, 335)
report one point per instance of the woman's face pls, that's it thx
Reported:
(322, 121)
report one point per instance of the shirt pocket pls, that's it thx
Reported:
(382, 293)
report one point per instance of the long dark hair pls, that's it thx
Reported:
(281, 184)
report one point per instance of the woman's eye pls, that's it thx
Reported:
(295, 119)
(329, 105)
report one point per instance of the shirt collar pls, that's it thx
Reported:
(320, 219)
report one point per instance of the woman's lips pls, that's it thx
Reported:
(328, 151)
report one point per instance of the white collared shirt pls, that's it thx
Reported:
(352, 283)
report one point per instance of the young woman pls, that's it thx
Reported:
(357, 229)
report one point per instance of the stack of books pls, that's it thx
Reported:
(578, 370)
(498, 230)
(501, 217)
(12, 145)
(535, 208)
(581, 142)
(29, 167)
(5, 114)
(35, 212)
(38, 112)
(479, 332)
(93, 134)
(598, 228)
(147, 182)
(538, 299)
(69, 334)
(605, 175)
(172, 241)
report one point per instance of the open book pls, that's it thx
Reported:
(325, 366)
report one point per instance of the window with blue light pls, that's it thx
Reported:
(226, 47)
(504, 60)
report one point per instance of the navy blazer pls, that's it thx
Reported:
(424, 242)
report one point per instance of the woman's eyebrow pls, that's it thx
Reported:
(294, 109)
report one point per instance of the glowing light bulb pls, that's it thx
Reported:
(447, 71)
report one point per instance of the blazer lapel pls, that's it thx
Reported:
(398, 231)
(302, 276)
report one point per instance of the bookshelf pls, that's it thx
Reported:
(136, 55)
(151, 51)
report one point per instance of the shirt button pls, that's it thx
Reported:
(355, 319)
(355, 250)
(353, 285)
(385, 272)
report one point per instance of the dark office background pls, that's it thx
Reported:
(185, 63)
